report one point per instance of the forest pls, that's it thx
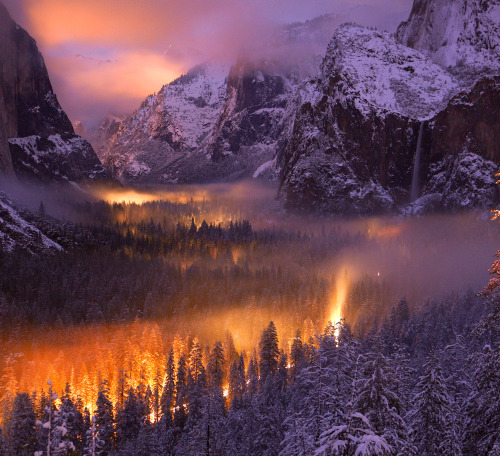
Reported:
(207, 326)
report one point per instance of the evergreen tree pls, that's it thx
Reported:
(237, 382)
(180, 412)
(128, 420)
(377, 400)
(168, 393)
(432, 415)
(269, 353)
(483, 404)
(104, 421)
(297, 359)
(22, 437)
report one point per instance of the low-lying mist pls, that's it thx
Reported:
(165, 265)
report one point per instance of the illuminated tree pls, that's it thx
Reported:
(180, 412)
(297, 360)
(196, 359)
(168, 393)
(269, 353)
(104, 421)
(237, 382)
(8, 387)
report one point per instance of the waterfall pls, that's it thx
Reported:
(415, 182)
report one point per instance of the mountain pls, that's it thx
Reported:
(356, 127)
(386, 122)
(17, 232)
(220, 121)
(38, 142)
(455, 33)
(167, 126)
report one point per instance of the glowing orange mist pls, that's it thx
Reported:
(338, 298)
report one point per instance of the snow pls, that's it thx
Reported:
(264, 167)
(468, 32)
(180, 117)
(16, 230)
(380, 74)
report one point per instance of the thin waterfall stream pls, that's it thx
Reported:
(415, 182)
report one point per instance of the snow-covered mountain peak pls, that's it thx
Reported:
(382, 74)
(455, 32)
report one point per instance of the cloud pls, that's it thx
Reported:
(109, 55)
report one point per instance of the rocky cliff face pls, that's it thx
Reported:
(169, 126)
(357, 127)
(219, 122)
(455, 32)
(32, 121)
(460, 154)
(356, 130)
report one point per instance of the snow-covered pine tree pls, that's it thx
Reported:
(104, 421)
(180, 412)
(432, 416)
(297, 359)
(22, 437)
(354, 436)
(377, 400)
(128, 419)
(237, 382)
(168, 393)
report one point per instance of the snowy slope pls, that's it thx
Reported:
(57, 157)
(168, 125)
(220, 122)
(455, 32)
(16, 232)
(380, 74)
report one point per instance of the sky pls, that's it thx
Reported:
(106, 56)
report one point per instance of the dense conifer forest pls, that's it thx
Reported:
(159, 332)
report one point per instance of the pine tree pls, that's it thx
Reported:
(215, 409)
(168, 393)
(180, 412)
(269, 353)
(22, 435)
(195, 359)
(237, 382)
(128, 420)
(377, 400)
(297, 359)
(63, 436)
(432, 415)
(104, 421)
(354, 435)
(483, 404)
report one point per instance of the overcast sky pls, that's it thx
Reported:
(108, 55)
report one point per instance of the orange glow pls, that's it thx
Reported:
(128, 355)
(377, 230)
(132, 75)
(95, 21)
(338, 298)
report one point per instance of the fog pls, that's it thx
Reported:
(299, 271)
(108, 56)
